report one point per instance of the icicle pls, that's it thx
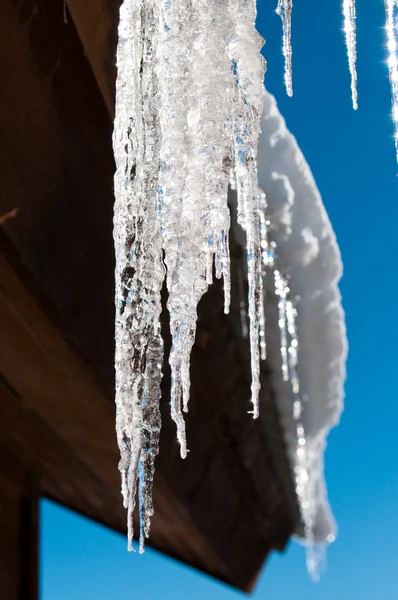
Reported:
(300, 461)
(350, 38)
(246, 105)
(289, 345)
(280, 291)
(316, 558)
(139, 266)
(264, 262)
(262, 336)
(391, 7)
(188, 107)
(293, 345)
(289, 353)
(242, 305)
(284, 10)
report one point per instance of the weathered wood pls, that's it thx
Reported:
(63, 426)
(96, 22)
(231, 501)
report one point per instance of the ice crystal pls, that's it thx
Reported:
(189, 97)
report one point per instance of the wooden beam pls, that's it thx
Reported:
(19, 539)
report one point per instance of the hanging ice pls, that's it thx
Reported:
(284, 10)
(139, 266)
(188, 104)
(350, 37)
(391, 7)
(264, 263)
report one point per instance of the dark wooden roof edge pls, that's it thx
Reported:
(14, 397)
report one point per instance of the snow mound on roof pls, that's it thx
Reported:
(308, 251)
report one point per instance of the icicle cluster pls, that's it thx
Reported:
(284, 10)
(391, 7)
(189, 97)
(351, 42)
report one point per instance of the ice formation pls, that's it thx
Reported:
(350, 36)
(189, 98)
(391, 7)
(284, 10)
(305, 325)
(289, 372)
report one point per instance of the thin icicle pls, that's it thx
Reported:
(246, 106)
(351, 43)
(289, 345)
(242, 304)
(291, 314)
(391, 7)
(264, 265)
(284, 10)
(262, 322)
(280, 291)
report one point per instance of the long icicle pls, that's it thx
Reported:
(139, 267)
(391, 7)
(246, 107)
(284, 10)
(351, 42)
(188, 107)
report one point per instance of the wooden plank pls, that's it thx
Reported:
(19, 530)
(96, 22)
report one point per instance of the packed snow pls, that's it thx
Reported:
(307, 249)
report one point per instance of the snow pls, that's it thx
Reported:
(307, 249)
(350, 36)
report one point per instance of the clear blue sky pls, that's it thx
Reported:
(353, 160)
